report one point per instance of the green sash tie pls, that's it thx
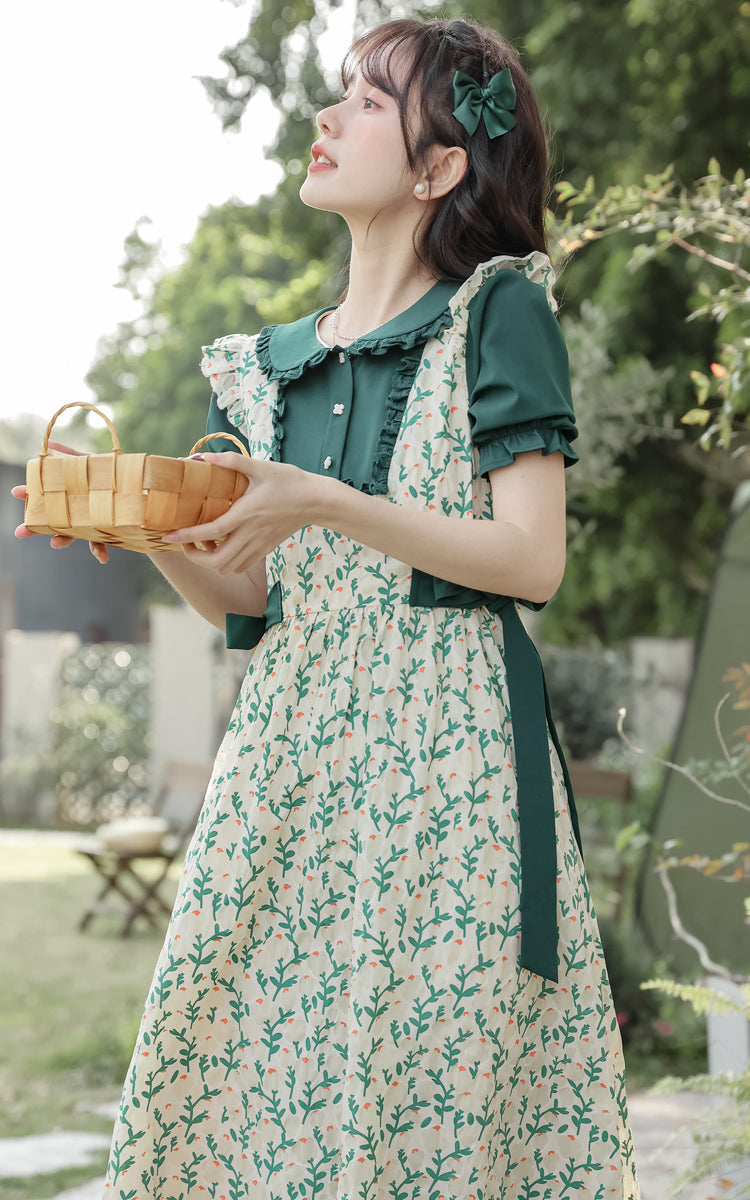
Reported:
(530, 714)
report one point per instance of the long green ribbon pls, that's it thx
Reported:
(529, 706)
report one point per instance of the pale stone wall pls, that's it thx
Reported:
(182, 704)
(30, 688)
(662, 669)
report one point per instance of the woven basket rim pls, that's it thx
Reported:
(128, 499)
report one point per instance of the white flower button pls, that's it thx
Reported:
(328, 463)
(338, 410)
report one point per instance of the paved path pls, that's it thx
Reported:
(89, 1191)
(661, 1152)
(24, 1156)
(654, 1120)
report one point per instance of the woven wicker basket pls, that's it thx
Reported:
(127, 500)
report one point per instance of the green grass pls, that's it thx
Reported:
(71, 1001)
(40, 1187)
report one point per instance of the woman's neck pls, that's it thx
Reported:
(384, 280)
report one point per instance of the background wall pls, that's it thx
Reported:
(47, 590)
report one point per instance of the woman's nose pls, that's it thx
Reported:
(326, 120)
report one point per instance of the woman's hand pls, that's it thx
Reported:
(276, 504)
(58, 541)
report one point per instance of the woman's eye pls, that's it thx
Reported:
(368, 103)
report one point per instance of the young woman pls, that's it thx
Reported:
(383, 976)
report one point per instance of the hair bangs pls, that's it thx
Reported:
(390, 58)
(373, 56)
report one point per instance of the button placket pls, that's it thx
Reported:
(337, 426)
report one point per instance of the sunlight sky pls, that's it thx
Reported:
(102, 122)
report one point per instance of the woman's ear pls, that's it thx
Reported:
(446, 168)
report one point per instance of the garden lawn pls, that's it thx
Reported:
(71, 1002)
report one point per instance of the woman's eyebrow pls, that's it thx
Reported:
(384, 88)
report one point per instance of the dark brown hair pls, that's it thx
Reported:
(498, 207)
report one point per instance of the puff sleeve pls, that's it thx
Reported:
(222, 364)
(517, 373)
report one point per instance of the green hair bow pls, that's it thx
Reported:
(494, 104)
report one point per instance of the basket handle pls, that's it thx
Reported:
(210, 437)
(91, 408)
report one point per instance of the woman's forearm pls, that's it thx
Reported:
(519, 553)
(213, 595)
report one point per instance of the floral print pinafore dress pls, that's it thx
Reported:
(339, 1010)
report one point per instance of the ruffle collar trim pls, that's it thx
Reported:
(286, 351)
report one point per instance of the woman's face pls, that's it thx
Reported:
(359, 166)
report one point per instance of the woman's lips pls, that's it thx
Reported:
(320, 161)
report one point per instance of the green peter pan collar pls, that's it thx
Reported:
(285, 351)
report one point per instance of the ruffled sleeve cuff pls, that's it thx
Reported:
(501, 448)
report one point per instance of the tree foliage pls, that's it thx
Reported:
(624, 567)
(710, 221)
(234, 278)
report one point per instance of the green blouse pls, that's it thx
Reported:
(340, 408)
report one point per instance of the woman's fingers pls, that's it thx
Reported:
(58, 541)
(99, 551)
(228, 557)
(211, 532)
(206, 552)
(61, 541)
(216, 531)
(19, 491)
(230, 458)
(243, 510)
(239, 556)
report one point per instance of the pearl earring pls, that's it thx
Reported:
(419, 189)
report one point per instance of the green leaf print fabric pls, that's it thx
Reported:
(338, 1010)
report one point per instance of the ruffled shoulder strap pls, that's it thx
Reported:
(225, 363)
(228, 354)
(536, 267)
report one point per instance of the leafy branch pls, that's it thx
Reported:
(714, 212)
